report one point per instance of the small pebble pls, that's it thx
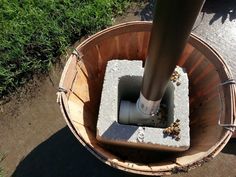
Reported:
(175, 77)
(173, 130)
(177, 138)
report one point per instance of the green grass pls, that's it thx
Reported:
(1, 173)
(35, 32)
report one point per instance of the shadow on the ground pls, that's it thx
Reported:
(230, 148)
(222, 10)
(146, 13)
(63, 156)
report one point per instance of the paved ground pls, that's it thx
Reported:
(34, 139)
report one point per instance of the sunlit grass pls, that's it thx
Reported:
(35, 32)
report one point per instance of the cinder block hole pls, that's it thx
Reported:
(129, 89)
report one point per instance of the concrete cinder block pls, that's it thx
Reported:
(123, 81)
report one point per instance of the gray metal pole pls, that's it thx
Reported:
(172, 25)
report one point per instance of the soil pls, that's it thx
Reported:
(30, 117)
(34, 138)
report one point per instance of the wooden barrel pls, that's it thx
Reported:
(212, 99)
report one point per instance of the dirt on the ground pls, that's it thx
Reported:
(29, 117)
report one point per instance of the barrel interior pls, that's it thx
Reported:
(84, 78)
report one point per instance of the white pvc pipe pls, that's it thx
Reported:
(129, 113)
